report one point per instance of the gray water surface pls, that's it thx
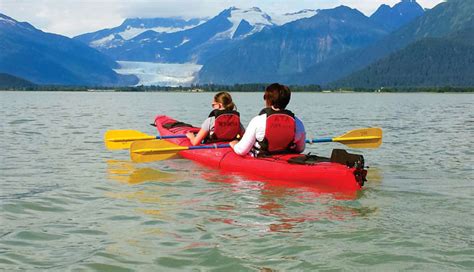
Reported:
(69, 204)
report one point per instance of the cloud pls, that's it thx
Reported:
(65, 17)
(73, 17)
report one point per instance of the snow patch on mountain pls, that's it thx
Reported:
(259, 20)
(254, 16)
(132, 32)
(163, 74)
(104, 42)
(183, 42)
(290, 17)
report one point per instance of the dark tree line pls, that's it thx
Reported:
(256, 87)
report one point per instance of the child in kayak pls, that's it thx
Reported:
(223, 123)
(275, 130)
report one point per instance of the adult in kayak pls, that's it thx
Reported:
(275, 130)
(222, 124)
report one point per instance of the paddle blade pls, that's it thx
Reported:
(122, 139)
(361, 138)
(156, 150)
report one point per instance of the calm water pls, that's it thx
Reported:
(69, 204)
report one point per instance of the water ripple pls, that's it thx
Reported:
(68, 204)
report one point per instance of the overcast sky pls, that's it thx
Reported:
(73, 17)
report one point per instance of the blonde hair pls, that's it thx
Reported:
(225, 99)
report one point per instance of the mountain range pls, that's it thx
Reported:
(156, 43)
(46, 58)
(130, 28)
(403, 45)
(441, 21)
(292, 48)
(335, 31)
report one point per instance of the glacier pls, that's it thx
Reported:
(162, 74)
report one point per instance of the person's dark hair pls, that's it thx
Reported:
(277, 95)
(225, 99)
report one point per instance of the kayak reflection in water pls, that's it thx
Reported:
(222, 124)
(275, 130)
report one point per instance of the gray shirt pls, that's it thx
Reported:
(208, 124)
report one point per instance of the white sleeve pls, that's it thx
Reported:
(244, 146)
(300, 136)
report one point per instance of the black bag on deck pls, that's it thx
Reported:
(338, 156)
(307, 159)
(343, 157)
(176, 124)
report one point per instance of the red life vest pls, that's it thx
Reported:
(226, 125)
(279, 132)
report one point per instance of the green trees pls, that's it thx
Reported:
(430, 62)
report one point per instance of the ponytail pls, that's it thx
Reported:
(226, 100)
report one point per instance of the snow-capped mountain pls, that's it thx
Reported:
(292, 47)
(130, 28)
(296, 46)
(192, 44)
(247, 21)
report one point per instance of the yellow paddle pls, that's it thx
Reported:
(156, 150)
(122, 139)
(357, 138)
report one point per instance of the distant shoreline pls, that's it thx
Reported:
(324, 92)
(244, 88)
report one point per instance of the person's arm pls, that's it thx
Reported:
(248, 140)
(195, 140)
(203, 132)
(300, 136)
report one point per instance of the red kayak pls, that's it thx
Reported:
(324, 173)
